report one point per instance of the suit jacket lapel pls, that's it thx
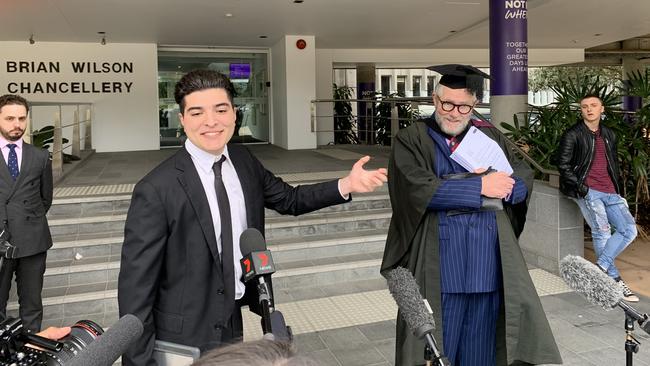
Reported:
(191, 183)
(4, 173)
(26, 164)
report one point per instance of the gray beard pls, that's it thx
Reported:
(447, 131)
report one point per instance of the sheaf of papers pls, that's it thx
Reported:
(477, 150)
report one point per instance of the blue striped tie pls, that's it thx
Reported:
(12, 162)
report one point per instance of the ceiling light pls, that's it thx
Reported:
(298, 1)
(31, 39)
(103, 40)
(228, 15)
(598, 34)
(264, 37)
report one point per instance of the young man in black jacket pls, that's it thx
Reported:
(589, 174)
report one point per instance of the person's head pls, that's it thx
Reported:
(207, 111)
(13, 116)
(591, 108)
(459, 89)
(258, 353)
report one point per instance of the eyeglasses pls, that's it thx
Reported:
(449, 106)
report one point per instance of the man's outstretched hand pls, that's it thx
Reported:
(360, 180)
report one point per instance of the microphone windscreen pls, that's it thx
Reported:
(279, 326)
(588, 280)
(406, 293)
(108, 347)
(251, 240)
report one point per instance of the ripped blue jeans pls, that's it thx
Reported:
(602, 211)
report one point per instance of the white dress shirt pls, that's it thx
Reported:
(203, 161)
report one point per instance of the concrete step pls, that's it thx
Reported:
(115, 205)
(288, 249)
(88, 291)
(63, 208)
(86, 273)
(82, 228)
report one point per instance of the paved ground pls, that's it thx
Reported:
(586, 335)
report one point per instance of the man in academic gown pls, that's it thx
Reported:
(466, 259)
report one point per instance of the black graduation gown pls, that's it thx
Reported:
(523, 333)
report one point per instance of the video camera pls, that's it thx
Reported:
(14, 340)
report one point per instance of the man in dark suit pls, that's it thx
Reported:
(180, 270)
(25, 195)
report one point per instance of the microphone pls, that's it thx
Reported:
(598, 288)
(108, 347)
(415, 311)
(257, 263)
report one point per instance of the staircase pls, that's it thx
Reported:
(329, 253)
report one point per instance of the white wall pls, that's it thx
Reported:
(294, 87)
(122, 120)
(279, 92)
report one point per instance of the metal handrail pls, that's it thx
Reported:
(57, 145)
(553, 175)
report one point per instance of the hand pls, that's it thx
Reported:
(360, 180)
(54, 333)
(497, 185)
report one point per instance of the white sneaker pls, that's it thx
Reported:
(628, 295)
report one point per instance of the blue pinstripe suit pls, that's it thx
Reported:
(470, 266)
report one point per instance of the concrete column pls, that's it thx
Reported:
(508, 59)
(293, 87)
(366, 83)
(324, 81)
(632, 65)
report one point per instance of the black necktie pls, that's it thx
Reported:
(12, 161)
(226, 236)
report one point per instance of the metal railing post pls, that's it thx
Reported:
(57, 152)
(88, 142)
(75, 134)
(394, 120)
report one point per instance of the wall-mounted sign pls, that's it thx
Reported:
(20, 68)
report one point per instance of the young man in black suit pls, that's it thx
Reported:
(25, 195)
(180, 270)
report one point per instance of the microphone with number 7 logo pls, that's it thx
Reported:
(257, 265)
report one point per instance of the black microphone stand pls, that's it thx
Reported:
(265, 303)
(432, 355)
(631, 343)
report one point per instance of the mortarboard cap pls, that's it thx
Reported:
(457, 76)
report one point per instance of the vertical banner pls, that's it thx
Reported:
(365, 90)
(508, 47)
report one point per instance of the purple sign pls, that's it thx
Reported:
(240, 71)
(508, 47)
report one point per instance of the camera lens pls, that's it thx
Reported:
(81, 335)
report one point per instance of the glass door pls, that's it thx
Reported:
(248, 73)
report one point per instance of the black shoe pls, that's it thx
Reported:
(628, 295)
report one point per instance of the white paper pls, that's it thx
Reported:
(477, 150)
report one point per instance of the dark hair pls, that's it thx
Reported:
(258, 353)
(592, 95)
(12, 99)
(198, 80)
